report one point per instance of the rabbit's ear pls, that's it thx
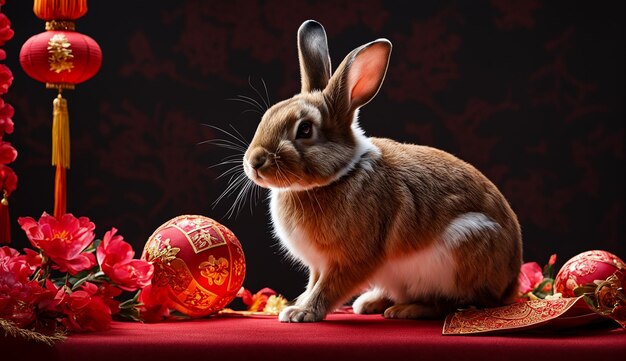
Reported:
(314, 58)
(360, 75)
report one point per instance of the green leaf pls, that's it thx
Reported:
(548, 271)
(129, 314)
(132, 303)
(591, 302)
(539, 292)
(584, 290)
(92, 247)
(178, 314)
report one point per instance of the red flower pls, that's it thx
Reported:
(53, 298)
(530, 276)
(154, 304)
(85, 312)
(115, 257)
(6, 113)
(6, 79)
(63, 242)
(7, 153)
(18, 294)
(106, 292)
(6, 33)
(8, 179)
(257, 301)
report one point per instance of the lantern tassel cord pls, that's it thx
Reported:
(60, 153)
(5, 220)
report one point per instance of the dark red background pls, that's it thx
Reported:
(530, 92)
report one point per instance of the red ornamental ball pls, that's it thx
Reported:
(585, 268)
(198, 261)
(61, 57)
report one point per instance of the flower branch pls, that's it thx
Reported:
(70, 282)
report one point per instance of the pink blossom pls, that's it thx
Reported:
(552, 260)
(6, 113)
(115, 257)
(62, 241)
(85, 312)
(8, 179)
(530, 276)
(6, 79)
(257, 301)
(18, 293)
(154, 303)
(6, 33)
(7, 153)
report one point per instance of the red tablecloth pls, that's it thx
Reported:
(339, 337)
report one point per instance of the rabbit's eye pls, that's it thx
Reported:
(305, 130)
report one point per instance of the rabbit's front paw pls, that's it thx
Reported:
(300, 314)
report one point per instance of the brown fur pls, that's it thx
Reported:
(394, 201)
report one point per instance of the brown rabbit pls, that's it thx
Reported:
(419, 230)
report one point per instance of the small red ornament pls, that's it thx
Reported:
(585, 268)
(198, 261)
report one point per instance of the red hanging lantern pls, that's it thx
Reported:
(60, 57)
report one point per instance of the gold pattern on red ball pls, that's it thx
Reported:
(585, 268)
(199, 261)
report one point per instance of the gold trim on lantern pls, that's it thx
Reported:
(60, 86)
(60, 54)
(60, 25)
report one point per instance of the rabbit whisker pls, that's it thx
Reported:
(239, 139)
(241, 198)
(265, 101)
(251, 101)
(281, 175)
(238, 184)
(225, 161)
(255, 105)
(312, 196)
(224, 143)
(230, 171)
(233, 184)
(267, 96)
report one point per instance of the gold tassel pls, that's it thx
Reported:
(60, 153)
(60, 133)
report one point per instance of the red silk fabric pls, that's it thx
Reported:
(339, 337)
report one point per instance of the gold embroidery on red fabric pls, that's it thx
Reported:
(215, 270)
(161, 250)
(60, 54)
(515, 316)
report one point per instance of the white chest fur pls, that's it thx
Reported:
(296, 242)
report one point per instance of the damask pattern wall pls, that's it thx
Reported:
(530, 92)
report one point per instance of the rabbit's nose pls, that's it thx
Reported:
(258, 158)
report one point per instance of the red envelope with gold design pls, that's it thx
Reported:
(559, 313)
